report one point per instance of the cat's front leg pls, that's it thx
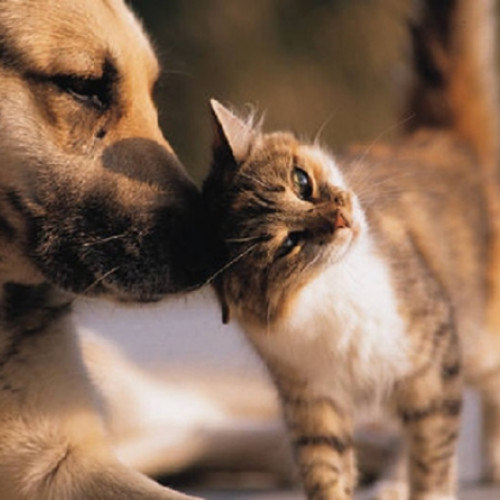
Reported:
(321, 435)
(429, 405)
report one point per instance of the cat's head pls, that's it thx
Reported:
(283, 210)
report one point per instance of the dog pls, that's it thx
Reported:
(92, 201)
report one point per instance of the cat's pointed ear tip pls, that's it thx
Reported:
(218, 109)
(214, 103)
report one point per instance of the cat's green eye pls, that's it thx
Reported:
(289, 243)
(302, 183)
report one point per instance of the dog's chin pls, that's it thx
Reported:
(124, 260)
(126, 283)
(113, 294)
(138, 291)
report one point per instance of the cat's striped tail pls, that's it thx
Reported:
(455, 83)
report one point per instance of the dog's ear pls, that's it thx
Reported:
(232, 136)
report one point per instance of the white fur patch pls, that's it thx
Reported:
(318, 155)
(344, 335)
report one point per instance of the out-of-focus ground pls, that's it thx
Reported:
(191, 403)
(472, 493)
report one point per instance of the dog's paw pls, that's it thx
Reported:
(122, 483)
(92, 478)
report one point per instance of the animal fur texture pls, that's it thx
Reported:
(92, 201)
(371, 276)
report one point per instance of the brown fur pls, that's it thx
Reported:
(92, 200)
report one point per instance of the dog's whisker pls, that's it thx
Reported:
(101, 279)
(104, 240)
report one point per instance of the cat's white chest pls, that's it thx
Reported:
(345, 336)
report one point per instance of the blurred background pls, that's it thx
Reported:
(331, 65)
(190, 403)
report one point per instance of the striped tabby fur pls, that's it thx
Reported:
(371, 277)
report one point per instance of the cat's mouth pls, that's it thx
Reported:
(346, 232)
(341, 221)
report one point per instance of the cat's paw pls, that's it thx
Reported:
(390, 490)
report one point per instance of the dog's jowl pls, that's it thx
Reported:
(92, 200)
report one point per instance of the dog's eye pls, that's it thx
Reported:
(93, 91)
(302, 183)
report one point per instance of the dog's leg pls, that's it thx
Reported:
(52, 440)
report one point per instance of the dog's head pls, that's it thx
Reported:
(92, 196)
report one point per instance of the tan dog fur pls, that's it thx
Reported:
(92, 200)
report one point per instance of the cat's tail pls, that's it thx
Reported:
(455, 83)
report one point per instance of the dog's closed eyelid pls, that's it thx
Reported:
(96, 90)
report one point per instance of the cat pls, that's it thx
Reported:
(371, 277)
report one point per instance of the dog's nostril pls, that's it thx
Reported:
(101, 133)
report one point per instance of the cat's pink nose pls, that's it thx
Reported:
(340, 220)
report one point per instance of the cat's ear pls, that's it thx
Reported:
(231, 134)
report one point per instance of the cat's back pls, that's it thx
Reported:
(428, 182)
(424, 199)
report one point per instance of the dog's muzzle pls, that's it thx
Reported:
(138, 231)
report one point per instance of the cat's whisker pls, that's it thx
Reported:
(230, 263)
(322, 127)
(379, 137)
(350, 271)
(386, 188)
(311, 263)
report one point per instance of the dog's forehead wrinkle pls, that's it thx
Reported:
(141, 49)
(69, 45)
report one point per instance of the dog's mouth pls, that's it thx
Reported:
(179, 255)
(173, 253)
(98, 246)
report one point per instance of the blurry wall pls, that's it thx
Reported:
(336, 65)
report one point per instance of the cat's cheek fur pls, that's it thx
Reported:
(347, 321)
(324, 163)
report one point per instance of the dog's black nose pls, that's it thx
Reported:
(198, 252)
(144, 228)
